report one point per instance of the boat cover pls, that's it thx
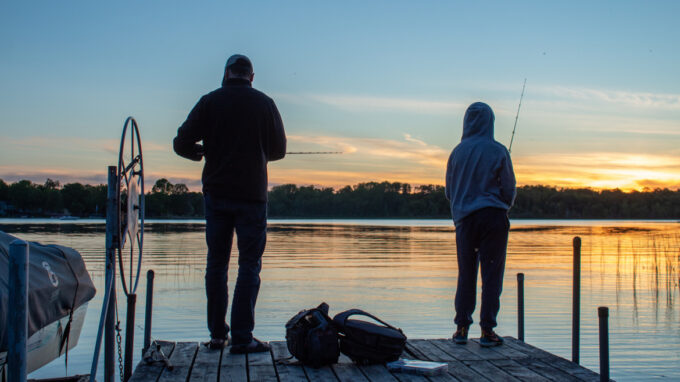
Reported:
(58, 283)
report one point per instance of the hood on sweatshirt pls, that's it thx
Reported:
(478, 121)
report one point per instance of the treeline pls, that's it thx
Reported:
(25, 198)
(364, 200)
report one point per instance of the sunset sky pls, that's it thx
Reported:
(385, 82)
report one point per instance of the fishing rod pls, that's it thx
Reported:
(314, 152)
(517, 116)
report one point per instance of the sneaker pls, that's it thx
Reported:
(255, 346)
(460, 336)
(217, 343)
(490, 338)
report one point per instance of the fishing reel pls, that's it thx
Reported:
(130, 196)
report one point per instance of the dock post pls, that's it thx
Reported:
(149, 305)
(18, 315)
(111, 247)
(576, 302)
(520, 306)
(603, 315)
(129, 335)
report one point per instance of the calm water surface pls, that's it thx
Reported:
(405, 272)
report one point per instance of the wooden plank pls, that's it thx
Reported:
(261, 367)
(444, 377)
(482, 352)
(431, 351)
(347, 371)
(377, 373)
(546, 370)
(524, 347)
(506, 351)
(572, 368)
(518, 371)
(413, 352)
(181, 359)
(458, 352)
(404, 377)
(462, 372)
(489, 371)
(260, 359)
(150, 372)
(260, 373)
(321, 374)
(233, 367)
(281, 357)
(457, 370)
(206, 365)
(556, 361)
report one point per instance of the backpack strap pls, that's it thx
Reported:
(340, 319)
(323, 308)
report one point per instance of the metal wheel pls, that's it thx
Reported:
(130, 205)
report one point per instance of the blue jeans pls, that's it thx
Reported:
(249, 219)
(481, 238)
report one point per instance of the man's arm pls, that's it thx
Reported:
(276, 144)
(185, 143)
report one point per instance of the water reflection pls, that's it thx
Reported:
(405, 272)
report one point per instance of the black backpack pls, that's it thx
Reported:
(367, 343)
(312, 338)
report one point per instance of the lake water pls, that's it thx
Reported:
(404, 271)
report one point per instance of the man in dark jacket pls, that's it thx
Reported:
(480, 184)
(241, 130)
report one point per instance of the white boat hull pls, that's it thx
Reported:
(44, 345)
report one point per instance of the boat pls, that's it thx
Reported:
(59, 291)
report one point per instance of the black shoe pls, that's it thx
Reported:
(255, 346)
(460, 336)
(490, 338)
(217, 343)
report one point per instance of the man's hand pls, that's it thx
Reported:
(200, 151)
(197, 153)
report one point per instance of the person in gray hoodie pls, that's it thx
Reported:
(480, 185)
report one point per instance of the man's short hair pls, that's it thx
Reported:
(240, 66)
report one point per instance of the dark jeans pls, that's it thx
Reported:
(481, 238)
(249, 219)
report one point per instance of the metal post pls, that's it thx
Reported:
(603, 314)
(111, 247)
(576, 303)
(18, 315)
(520, 306)
(149, 305)
(129, 335)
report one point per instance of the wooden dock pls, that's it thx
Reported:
(514, 361)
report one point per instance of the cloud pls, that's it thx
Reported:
(339, 178)
(645, 100)
(410, 149)
(599, 170)
(359, 103)
(61, 175)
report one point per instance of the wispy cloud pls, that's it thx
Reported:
(662, 101)
(410, 149)
(62, 175)
(362, 103)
